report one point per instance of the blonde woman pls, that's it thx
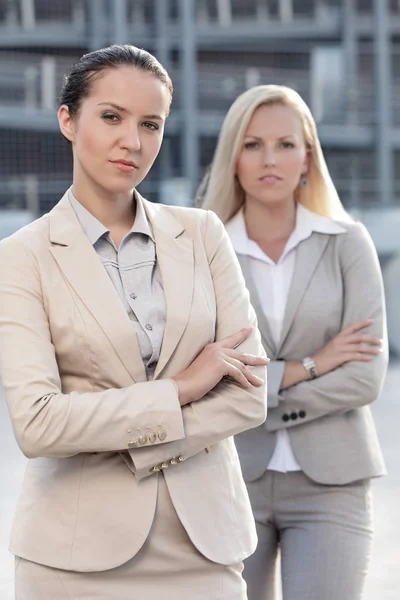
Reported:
(315, 283)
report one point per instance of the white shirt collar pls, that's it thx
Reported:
(307, 222)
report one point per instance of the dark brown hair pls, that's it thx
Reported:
(77, 83)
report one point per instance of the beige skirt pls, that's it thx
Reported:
(168, 567)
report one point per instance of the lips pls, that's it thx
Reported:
(127, 166)
(270, 177)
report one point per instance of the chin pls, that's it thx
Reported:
(120, 187)
(271, 200)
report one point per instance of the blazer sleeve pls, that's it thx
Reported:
(227, 409)
(47, 422)
(276, 370)
(354, 384)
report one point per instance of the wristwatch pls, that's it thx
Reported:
(309, 365)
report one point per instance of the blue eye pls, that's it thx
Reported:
(287, 145)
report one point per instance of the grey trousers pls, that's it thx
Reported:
(323, 534)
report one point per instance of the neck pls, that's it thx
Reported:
(269, 223)
(112, 210)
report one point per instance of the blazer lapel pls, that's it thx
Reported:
(308, 256)
(85, 272)
(175, 259)
(255, 300)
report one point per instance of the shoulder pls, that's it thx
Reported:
(186, 215)
(357, 249)
(195, 221)
(30, 239)
(205, 227)
(356, 235)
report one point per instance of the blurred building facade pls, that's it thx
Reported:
(340, 55)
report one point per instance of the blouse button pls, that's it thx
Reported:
(149, 327)
(133, 296)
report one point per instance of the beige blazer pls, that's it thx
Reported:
(337, 281)
(75, 387)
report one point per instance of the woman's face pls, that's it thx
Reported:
(118, 130)
(273, 155)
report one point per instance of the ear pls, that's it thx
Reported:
(66, 123)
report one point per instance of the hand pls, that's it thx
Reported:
(348, 345)
(216, 361)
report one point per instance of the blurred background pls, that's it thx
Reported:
(342, 56)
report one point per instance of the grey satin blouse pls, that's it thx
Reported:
(135, 275)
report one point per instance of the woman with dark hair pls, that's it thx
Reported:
(119, 327)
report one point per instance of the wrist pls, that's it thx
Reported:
(184, 392)
(294, 373)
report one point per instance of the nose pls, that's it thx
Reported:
(269, 156)
(131, 139)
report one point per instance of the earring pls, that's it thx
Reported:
(303, 180)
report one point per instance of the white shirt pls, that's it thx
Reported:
(275, 278)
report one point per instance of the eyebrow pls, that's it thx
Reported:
(289, 135)
(125, 110)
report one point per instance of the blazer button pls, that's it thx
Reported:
(285, 418)
(302, 414)
(294, 416)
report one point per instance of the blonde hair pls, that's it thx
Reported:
(220, 190)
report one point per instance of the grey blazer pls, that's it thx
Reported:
(337, 281)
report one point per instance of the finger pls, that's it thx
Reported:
(235, 366)
(357, 326)
(358, 356)
(247, 358)
(363, 357)
(363, 348)
(361, 338)
(234, 374)
(234, 340)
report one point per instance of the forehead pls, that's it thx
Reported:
(136, 90)
(275, 119)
